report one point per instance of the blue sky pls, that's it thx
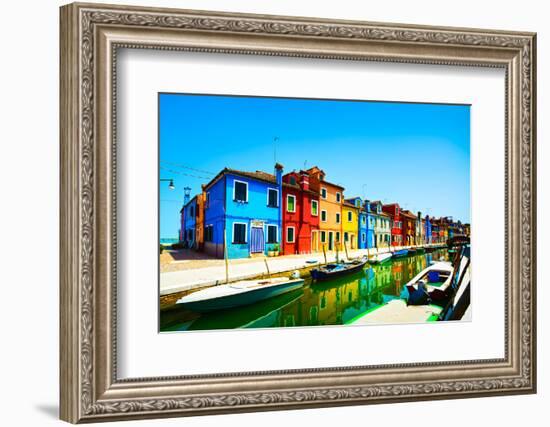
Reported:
(415, 154)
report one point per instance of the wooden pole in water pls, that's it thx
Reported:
(325, 254)
(346, 248)
(225, 255)
(267, 267)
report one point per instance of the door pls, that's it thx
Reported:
(257, 241)
(314, 241)
(330, 241)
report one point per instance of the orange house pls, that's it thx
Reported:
(331, 198)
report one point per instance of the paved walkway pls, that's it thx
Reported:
(184, 280)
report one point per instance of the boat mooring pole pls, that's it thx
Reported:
(267, 266)
(346, 248)
(325, 254)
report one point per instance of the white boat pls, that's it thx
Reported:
(380, 258)
(237, 294)
(433, 281)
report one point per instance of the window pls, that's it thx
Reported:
(239, 233)
(357, 203)
(209, 233)
(207, 201)
(314, 207)
(323, 192)
(271, 234)
(364, 220)
(324, 216)
(290, 203)
(240, 191)
(350, 216)
(338, 197)
(292, 180)
(338, 236)
(272, 197)
(363, 237)
(323, 236)
(337, 218)
(290, 234)
(346, 236)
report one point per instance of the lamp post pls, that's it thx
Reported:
(170, 181)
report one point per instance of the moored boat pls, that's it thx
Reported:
(400, 253)
(431, 283)
(333, 270)
(237, 294)
(380, 258)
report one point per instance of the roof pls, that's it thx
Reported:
(349, 205)
(408, 214)
(258, 175)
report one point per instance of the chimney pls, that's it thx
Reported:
(419, 215)
(186, 195)
(304, 180)
(279, 174)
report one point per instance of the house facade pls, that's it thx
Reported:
(362, 222)
(190, 223)
(427, 230)
(199, 223)
(300, 215)
(394, 211)
(331, 197)
(419, 234)
(242, 214)
(350, 225)
(408, 227)
(382, 225)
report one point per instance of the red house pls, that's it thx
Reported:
(394, 212)
(300, 214)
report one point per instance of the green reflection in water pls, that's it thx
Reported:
(327, 303)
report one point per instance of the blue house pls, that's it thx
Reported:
(243, 209)
(189, 221)
(365, 239)
(371, 223)
(427, 230)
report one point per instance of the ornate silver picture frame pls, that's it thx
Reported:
(90, 388)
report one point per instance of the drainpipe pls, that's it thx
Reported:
(279, 179)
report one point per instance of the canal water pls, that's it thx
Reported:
(332, 302)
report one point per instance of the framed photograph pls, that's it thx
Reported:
(267, 212)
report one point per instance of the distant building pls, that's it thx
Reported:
(394, 211)
(350, 224)
(365, 237)
(408, 228)
(382, 225)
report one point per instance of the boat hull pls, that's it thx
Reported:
(319, 275)
(242, 299)
(400, 254)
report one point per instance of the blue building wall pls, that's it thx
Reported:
(371, 222)
(363, 236)
(189, 222)
(222, 211)
(254, 210)
(427, 230)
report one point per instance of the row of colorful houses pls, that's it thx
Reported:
(241, 214)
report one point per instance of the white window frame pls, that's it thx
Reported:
(234, 187)
(326, 215)
(323, 189)
(293, 234)
(294, 197)
(245, 233)
(267, 233)
(338, 197)
(338, 218)
(272, 189)
(317, 203)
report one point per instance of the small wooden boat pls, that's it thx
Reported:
(412, 251)
(237, 294)
(380, 258)
(400, 253)
(334, 270)
(420, 250)
(431, 283)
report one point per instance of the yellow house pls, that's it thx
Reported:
(350, 225)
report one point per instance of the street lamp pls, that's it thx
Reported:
(170, 181)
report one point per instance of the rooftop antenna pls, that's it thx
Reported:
(305, 164)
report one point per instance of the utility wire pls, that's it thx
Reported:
(185, 174)
(179, 165)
